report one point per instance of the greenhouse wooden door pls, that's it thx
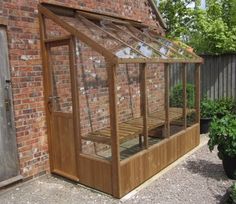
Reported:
(9, 165)
(62, 144)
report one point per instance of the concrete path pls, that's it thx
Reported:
(197, 178)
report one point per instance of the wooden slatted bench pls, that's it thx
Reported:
(134, 127)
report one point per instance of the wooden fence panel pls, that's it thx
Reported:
(218, 76)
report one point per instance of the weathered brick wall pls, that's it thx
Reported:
(93, 85)
(61, 80)
(134, 9)
(94, 95)
(26, 71)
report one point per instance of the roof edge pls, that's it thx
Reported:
(69, 11)
(158, 14)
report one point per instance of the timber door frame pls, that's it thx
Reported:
(46, 46)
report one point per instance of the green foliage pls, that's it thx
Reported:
(176, 15)
(176, 96)
(233, 193)
(208, 31)
(225, 106)
(223, 135)
(217, 108)
(208, 108)
(229, 14)
(212, 34)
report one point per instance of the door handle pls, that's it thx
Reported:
(50, 102)
(49, 105)
(8, 81)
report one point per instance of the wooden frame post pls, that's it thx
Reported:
(184, 78)
(75, 100)
(143, 95)
(46, 79)
(197, 90)
(167, 99)
(115, 142)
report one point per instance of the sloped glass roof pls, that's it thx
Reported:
(124, 39)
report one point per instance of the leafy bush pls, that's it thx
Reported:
(233, 193)
(223, 135)
(217, 108)
(208, 108)
(211, 30)
(225, 106)
(176, 96)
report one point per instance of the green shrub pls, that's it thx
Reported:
(176, 96)
(225, 106)
(208, 108)
(223, 135)
(217, 108)
(232, 194)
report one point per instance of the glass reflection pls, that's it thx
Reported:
(127, 53)
(127, 41)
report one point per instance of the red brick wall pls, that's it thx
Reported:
(26, 71)
(134, 9)
(94, 95)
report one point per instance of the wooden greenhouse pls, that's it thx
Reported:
(114, 149)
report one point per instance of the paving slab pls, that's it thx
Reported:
(198, 178)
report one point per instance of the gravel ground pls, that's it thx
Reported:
(198, 179)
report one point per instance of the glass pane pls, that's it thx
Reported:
(156, 96)
(61, 81)
(123, 34)
(127, 53)
(94, 102)
(128, 105)
(176, 115)
(177, 47)
(191, 97)
(129, 97)
(155, 48)
(53, 30)
(94, 31)
(126, 41)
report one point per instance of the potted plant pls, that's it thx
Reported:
(223, 135)
(225, 106)
(208, 111)
(232, 194)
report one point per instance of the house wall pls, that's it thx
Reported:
(26, 71)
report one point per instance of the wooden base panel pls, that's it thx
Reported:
(63, 174)
(97, 173)
(63, 157)
(140, 167)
